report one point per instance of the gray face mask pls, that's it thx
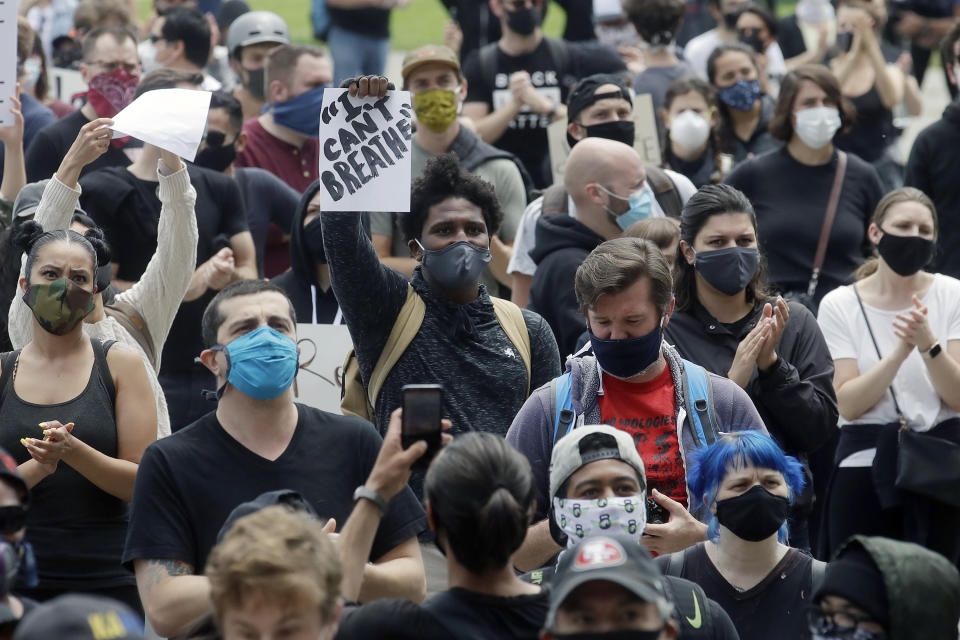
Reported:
(456, 266)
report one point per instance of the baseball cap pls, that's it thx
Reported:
(28, 200)
(81, 617)
(589, 444)
(425, 55)
(606, 558)
(582, 95)
(287, 497)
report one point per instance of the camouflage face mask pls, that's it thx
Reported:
(59, 306)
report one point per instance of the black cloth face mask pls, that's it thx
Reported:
(610, 635)
(730, 270)
(313, 240)
(255, 82)
(754, 515)
(905, 254)
(619, 130)
(523, 22)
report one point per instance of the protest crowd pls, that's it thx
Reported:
(648, 331)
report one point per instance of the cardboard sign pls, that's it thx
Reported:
(365, 152)
(322, 350)
(8, 59)
(646, 140)
(172, 119)
(65, 83)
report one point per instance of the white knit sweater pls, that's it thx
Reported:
(160, 290)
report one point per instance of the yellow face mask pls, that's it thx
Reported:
(436, 109)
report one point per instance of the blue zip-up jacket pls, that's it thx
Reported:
(532, 430)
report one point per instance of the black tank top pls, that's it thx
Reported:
(77, 530)
(872, 131)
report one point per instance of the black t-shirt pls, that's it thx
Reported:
(266, 199)
(479, 616)
(51, 143)
(390, 619)
(128, 210)
(527, 135)
(790, 199)
(775, 608)
(370, 21)
(188, 484)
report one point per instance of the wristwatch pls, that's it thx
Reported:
(933, 351)
(365, 493)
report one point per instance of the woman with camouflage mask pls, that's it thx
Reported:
(77, 415)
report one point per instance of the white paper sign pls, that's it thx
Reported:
(365, 149)
(322, 350)
(8, 59)
(645, 141)
(172, 119)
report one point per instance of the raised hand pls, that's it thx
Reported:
(92, 142)
(777, 320)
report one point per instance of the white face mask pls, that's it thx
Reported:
(581, 519)
(689, 130)
(816, 127)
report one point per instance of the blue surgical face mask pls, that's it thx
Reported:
(641, 205)
(740, 96)
(628, 357)
(261, 364)
(302, 113)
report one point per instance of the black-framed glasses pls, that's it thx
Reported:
(12, 519)
(841, 624)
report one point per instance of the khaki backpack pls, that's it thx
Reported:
(355, 400)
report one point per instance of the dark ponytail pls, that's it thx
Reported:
(481, 493)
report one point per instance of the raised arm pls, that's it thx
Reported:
(14, 171)
(159, 292)
(59, 201)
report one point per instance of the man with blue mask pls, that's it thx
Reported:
(283, 139)
(607, 182)
(257, 440)
(599, 106)
(636, 383)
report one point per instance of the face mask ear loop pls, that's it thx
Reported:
(207, 394)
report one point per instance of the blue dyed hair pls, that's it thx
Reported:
(733, 451)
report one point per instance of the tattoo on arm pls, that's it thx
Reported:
(157, 571)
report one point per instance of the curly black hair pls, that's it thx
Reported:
(444, 178)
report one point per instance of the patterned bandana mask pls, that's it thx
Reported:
(110, 93)
(581, 519)
(59, 306)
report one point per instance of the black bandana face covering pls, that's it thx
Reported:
(905, 254)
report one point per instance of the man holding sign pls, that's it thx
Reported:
(462, 339)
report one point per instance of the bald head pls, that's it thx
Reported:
(602, 161)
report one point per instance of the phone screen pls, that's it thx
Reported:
(422, 411)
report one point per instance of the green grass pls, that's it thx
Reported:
(418, 24)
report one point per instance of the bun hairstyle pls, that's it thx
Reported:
(481, 493)
(98, 240)
(30, 237)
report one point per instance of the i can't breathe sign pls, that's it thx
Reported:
(365, 148)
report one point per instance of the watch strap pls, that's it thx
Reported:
(934, 351)
(366, 493)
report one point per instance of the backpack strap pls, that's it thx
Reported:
(559, 51)
(405, 329)
(100, 350)
(818, 570)
(698, 397)
(128, 317)
(487, 57)
(510, 317)
(562, 404)
(665, 191)
(554, 200)
(675, 564)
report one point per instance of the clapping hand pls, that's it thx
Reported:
(57, 444)
(912, 327)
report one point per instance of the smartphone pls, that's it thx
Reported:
(655, 513)
(422, 408)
